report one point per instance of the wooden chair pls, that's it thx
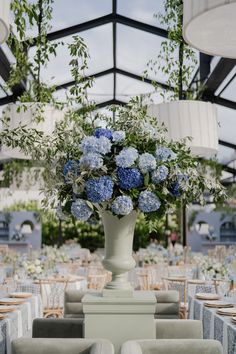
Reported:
(52, 292)
(147, 281)
(179, 284)
(97, 281)
(143, 281)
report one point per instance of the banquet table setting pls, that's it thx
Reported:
(39, 281)
(17, 311)
(218, 315)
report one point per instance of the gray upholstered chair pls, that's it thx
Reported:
(172, 346)
(167, 304)
(57, 328)
(174, 337)
(61, 346)
(178, 329)
(73, 307)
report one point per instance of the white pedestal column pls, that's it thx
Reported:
(119, 319)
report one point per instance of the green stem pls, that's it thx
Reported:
(39, 51)
(181, 54)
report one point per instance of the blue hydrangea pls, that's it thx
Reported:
(147, 162)
(103, 132)
(127, 157)
(148, 202)
(80, 210)
(92, 161)
(175, 189)
(129, 178)
(99, 189)
(118, 136)
(104, 145)
(165, 154)
(160, 174)
(91, 144)
(122, 205)
(71, 167)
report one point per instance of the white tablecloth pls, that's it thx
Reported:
(214, 326)
(19, 323)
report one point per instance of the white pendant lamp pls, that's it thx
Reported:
(25, 114)
(194, 119)
(4, 20)
(210, 26)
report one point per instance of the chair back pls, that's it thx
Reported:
(61, 346)
(177, 283)
(173, 346)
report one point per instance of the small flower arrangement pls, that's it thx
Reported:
(126, 166)
(214, 270)
(155, 258)
(33, 268)
(210, 269)
(54, 255)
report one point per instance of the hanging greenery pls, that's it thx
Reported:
(32, 24)
(176, 60)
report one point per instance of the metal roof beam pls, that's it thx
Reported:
(141, 26)
(140, 78)
(109, 103)
(96, 75)
(229, 169)
(229, 145)
(117, 71)
(5, 69)
(103, 20)
(114, 35)
(220, 72)
(221, 101)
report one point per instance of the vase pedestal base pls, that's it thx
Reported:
(119, 319)
(124, 293)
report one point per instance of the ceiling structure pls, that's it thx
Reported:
(122, 36)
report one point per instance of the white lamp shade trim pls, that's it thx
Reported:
(210, 26)
(194, 119)
(26, 117)
(4, 20)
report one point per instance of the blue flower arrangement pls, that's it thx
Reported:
(128, 165)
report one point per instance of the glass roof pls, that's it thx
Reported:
(124, 54)
(72, 12)
(99, 42)
(145, 46)
(229, 91)
(141, 10)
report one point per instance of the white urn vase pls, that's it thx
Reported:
(119, 234)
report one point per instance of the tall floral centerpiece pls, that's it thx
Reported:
(119, 171)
